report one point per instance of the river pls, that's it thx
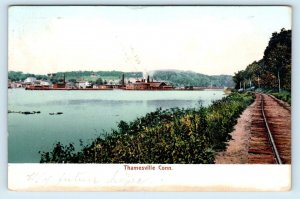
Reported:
(86, 114)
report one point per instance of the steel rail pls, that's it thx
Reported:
(273, 145)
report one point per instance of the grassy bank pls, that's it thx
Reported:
(284, 95)
(163, 136)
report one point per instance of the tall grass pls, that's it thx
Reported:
(284, 96)
(163, 136)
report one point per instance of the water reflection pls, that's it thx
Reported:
(171, 103)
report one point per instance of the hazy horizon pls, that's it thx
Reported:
(210, 40)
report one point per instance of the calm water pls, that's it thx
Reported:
(86, 114)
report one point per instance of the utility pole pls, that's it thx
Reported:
(278, 76)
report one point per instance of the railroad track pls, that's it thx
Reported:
(270, 139)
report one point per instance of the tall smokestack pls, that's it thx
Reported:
(123, 80)
(148, 79)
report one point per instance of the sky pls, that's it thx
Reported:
(211, 40)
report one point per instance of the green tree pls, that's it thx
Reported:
(274, 70)
(99, 81)
(277, 57)
(238, 78)
(254, 72)
(72, 80)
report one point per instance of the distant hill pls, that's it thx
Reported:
(174, 77)
(189, 78)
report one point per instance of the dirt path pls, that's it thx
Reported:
(237, 150)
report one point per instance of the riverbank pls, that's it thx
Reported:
(182, 136)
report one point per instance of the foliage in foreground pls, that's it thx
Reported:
(163, 136)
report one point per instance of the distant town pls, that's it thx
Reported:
(124, 83)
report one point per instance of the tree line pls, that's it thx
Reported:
(100, 76)
(189, 78)
(174, 77)
(273, 70)
(20, 76)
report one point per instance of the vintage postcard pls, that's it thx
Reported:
(149, 98)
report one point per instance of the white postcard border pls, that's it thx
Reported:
(115, 177)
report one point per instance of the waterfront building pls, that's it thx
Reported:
(30, 80)
(83, 84)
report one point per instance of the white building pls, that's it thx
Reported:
(45, 83)
(30, 80)
(84, 84)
